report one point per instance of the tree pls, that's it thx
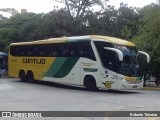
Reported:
(125, 32)
(78, 8)
(12, 11)
(11, 28)
(2, 17)
(108, 20)
(58, 23)
(32, 28)
(127, 21)
(148, 35)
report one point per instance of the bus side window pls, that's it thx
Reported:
(69, 49)
(13, 50)
(72, 53)
(31, 50)
(87, 51)
(21, 51)
(40, 50)
(54, 50)
(65, 51)
(73, 49)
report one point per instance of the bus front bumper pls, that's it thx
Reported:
(127, 85)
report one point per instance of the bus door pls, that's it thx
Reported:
(110, 63)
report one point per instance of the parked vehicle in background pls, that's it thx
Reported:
(3, 64)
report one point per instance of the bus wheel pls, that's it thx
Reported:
(30, 76)
(90, 83)
(22, 76)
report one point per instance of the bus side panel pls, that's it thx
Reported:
(108, 79)
(72, 71)
(38, 65)
(91, 68)
(13, 66)
(63, 70)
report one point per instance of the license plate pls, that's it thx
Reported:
(135, 86)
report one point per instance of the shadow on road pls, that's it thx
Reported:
(57, 85)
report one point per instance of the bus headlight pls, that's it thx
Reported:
(132, 80)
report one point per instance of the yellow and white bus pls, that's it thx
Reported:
(89, 61)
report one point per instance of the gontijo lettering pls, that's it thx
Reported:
(33, 61)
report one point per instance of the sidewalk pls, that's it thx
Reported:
(151, 86)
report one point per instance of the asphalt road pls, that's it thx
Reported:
(47, 96)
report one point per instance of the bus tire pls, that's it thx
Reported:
(30, 76)
(90, 83)
(22, 76)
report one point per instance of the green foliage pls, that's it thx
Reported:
(148, 35)
(78, 8)
(125, 32)
(118, 23)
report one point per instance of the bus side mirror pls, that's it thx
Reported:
(146, 54)
(119, 53)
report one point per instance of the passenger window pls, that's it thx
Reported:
(87, 51)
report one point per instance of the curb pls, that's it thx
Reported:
(150, 88)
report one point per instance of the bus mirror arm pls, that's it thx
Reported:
(146, 54)
(120, 54)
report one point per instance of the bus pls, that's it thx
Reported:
(90, 61)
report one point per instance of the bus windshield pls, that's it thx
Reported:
(129, 65)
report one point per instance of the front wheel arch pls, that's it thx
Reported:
(90, 82)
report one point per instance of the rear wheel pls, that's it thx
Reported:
(30, 76)
(22, 76)
(90, 83)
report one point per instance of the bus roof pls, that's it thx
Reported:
(113, 40)
(79, 38)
